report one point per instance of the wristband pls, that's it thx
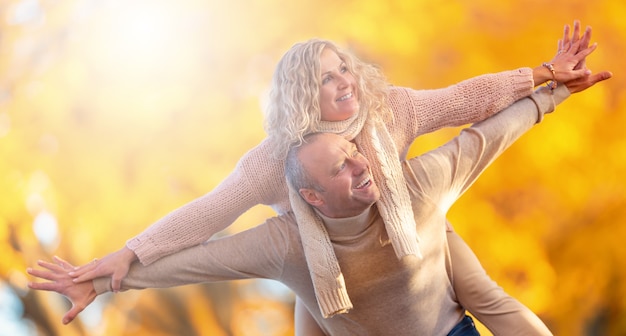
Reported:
(552, 84)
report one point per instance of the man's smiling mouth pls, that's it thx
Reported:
(365, 183)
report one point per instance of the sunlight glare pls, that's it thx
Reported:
(5, 124)
(143, 32)
(25, 11)
(46, 230)
(142, 37)
(142, 55)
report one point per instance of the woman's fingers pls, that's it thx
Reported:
(576, 32)
(86, 267)
(565, 41)
(66, 265)
(584, 43)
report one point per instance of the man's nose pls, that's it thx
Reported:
(359, 165)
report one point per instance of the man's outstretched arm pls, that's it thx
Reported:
(258, 252)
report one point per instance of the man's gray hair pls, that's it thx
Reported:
(295, 173)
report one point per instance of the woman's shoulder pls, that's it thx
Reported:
(259, 164)
(264, 152)
(400, 98)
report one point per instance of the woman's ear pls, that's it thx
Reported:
(311, 196)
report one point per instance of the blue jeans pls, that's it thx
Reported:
(465, 328)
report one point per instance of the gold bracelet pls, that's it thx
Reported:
(552, 84)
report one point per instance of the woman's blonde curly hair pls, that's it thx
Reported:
(294, 104)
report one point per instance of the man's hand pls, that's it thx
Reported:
(583, 83)
(115, 265)
(79, 294)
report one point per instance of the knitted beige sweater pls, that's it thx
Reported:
(391, 296)
(376, 140)
(258, 179)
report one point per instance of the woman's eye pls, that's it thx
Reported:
(344, 69)
(325, 80)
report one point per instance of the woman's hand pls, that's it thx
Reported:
(115, 265)
(567, 41)
(570, 49)
(569, 62)
(79, 294)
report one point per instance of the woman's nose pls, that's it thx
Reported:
(343, 81)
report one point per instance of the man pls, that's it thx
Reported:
(390, 296)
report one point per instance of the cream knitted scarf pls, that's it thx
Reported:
(373, 139)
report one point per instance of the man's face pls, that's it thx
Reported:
(345, 187)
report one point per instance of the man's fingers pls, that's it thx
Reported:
(47, 275)
(601, 76)
(586, 82)
(46, 286)
(50, 266)
(71, 314)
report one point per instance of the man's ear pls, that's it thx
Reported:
(311, 196)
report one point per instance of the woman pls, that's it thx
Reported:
(337, 92)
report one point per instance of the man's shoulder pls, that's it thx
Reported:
(284, 229)
(285, 223)
(286, 219)
(423, 175)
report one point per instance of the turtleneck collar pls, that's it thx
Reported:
(349, 226)
(348, 128)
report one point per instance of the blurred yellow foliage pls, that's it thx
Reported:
(114, 113)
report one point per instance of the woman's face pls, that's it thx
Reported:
(338, 93)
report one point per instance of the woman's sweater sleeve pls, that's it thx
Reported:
(418, 112)
(255, 180)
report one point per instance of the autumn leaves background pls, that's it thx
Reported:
(113, 113)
